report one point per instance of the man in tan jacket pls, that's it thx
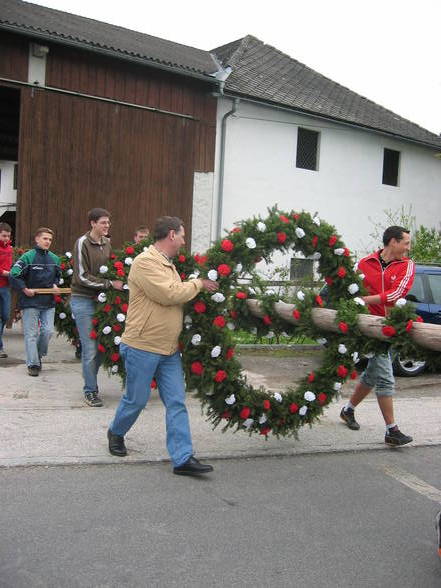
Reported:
(149, 345)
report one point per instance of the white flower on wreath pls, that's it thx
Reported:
(359, 301)
(125, 287)
(262, 419)
(62, 315)
(277, 396)
(196, 339)
(316, 220)
(128, 261)
(300, 232)
(69, 271)
(339, 251)
(401, 302)
(68, 254)
(353, 288)
(355, 357)
(218, 297)
(216, 351)
(270, 335)
(103, 269)
(117, 340)
(145, 248)
(355, 268)
(300, 296)
(362, 276)
(107, 330)
(342, 349)
(212, 275)
(250, 243)
(120, 317)
(322, 341)
(60, 281)
(102, 297)
(239, 268)
(230, 400)
(251, 291)
(187, 319)
(261, 227)
(337, 386)
(231, 326)
(303, 410)
(114, 369)
(309, 396)
(247, 423)
(316, 256)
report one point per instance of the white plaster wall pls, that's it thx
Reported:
(8, 196)
(346, 190)
(202, 211)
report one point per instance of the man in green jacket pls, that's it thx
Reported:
(150, 345)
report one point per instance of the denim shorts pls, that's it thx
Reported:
(379, 375)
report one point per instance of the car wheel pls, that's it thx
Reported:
(408, 367)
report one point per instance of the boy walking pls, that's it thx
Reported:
(5, 292)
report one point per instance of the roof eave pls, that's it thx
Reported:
(145, 61)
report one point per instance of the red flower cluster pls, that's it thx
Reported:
(281, 237)
(267, 320)
(197, 368)
(342, 371)
(241, 295)
(344, 327)
(93, 334)
(329, 281)
(124, 307)
(219, 321)
(409, 325)
(284, 219)
(296, 314)
(114, 357)
(389, 331)
(230, 353)
(321, 398)
(220, 376)
(319, 300)
(266, 404)
(130, 250)
(296, 216)
(314, 241)
(245, 412)
(332, 240)
(101, 348)
(341, 272)
(311, 377)
(227, 245)
(264, 430)
(117, 328)
(224, 269)
(200, 307)
(354, 375)
(293, 408)
(181, 258)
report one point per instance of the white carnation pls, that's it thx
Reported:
(62, 315)
(103, 269)
(120, 317)
(303, 410)
(353, 288)
(337, 386)
(300, 296)
(247, 423)
(262, 419)
(316, 256)
(114, 369)
(250, 243)
(69, 271)
(316, 220)
(128, 261)
(218, 297)
(339, 251)
(355, 266)
(342, 348)
(401, 302)
(117, 340)
(239, 268)
(261, 227)
(231, 326)
(300, 232)
(216, 351)
(322, 341)
(212, 275)
(107, 330)
(187, 319)
(102, 297)
(270, 335)
(309, 396)
(230, 400)
(68, 254)
(60, 281)
(125, 287)
(277, 396)
(196, 339)
(355, 357)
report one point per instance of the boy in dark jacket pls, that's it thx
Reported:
(5, 267)
(37, 268)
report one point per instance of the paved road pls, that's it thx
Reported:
(336, 520)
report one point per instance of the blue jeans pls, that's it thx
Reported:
(141, 367)
(38, 326)
(83, 310)
(5, 307)
(379, 375)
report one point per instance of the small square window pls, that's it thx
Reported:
(301, 269)
(391, 164)
(307, 148)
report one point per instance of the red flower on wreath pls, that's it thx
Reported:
(118, 264)
(409, 325)
(226, 415)
(234, 314)
(112, 256)
(264, 430)
(315, 241)
(153, 384)
(120, 273)
(267, 320)
(117, 300)
(124, 307)
(293, 408)
(95, 321)
(227, 245)
(199, 307)
(296, 314)
(220, 376)
(224, 269)
(219, 321)
(266, 404)
(181, 258)
(389, 331)
(284, 219)
(329, 280)
(332, 240)
(230, 353)
(117, 328)
(296, 216)
(197, 368)
(354, 375)
(245, 412)
(182, 276)
(311, 377)
(241, 295)
(58, 299)
(419, 319)
(235, 230)
(101, 348)
(321, 398)
(344, 327)
(130, 250)
(342, 371)
(62, 266)
(281, 237)
(319, 300)
(114, 357)
(341, 272)
(346, 252)
(107, 308)
(93, 334)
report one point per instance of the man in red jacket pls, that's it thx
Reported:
(5, 292)
(388, 276)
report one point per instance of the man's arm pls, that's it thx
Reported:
(401, 287)
(19, 273)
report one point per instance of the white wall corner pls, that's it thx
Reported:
(37, 64)
(202, 211)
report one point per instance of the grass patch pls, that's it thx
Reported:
(248, 338)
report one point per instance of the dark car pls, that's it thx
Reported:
(426, 294)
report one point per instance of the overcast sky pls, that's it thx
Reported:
(386, 50)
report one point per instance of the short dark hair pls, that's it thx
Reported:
(5, 227)
(42, 230)
(393, 232)
(142, 229)
(165, 224)
(96, 213)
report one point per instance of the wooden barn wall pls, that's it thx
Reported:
(85, 72)
(14, 52)
(77, 153)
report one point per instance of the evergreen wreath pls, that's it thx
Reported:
(211, 369)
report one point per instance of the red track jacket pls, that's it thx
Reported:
(391, 283)
(5, 262)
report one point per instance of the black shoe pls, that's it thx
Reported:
(3, 354)
(192, 467)
(396, 437)
(33, 370)
(92, 399)
(349, 418)
(438, 531)
(116, 444)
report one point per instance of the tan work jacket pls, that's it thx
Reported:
(156, 295)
